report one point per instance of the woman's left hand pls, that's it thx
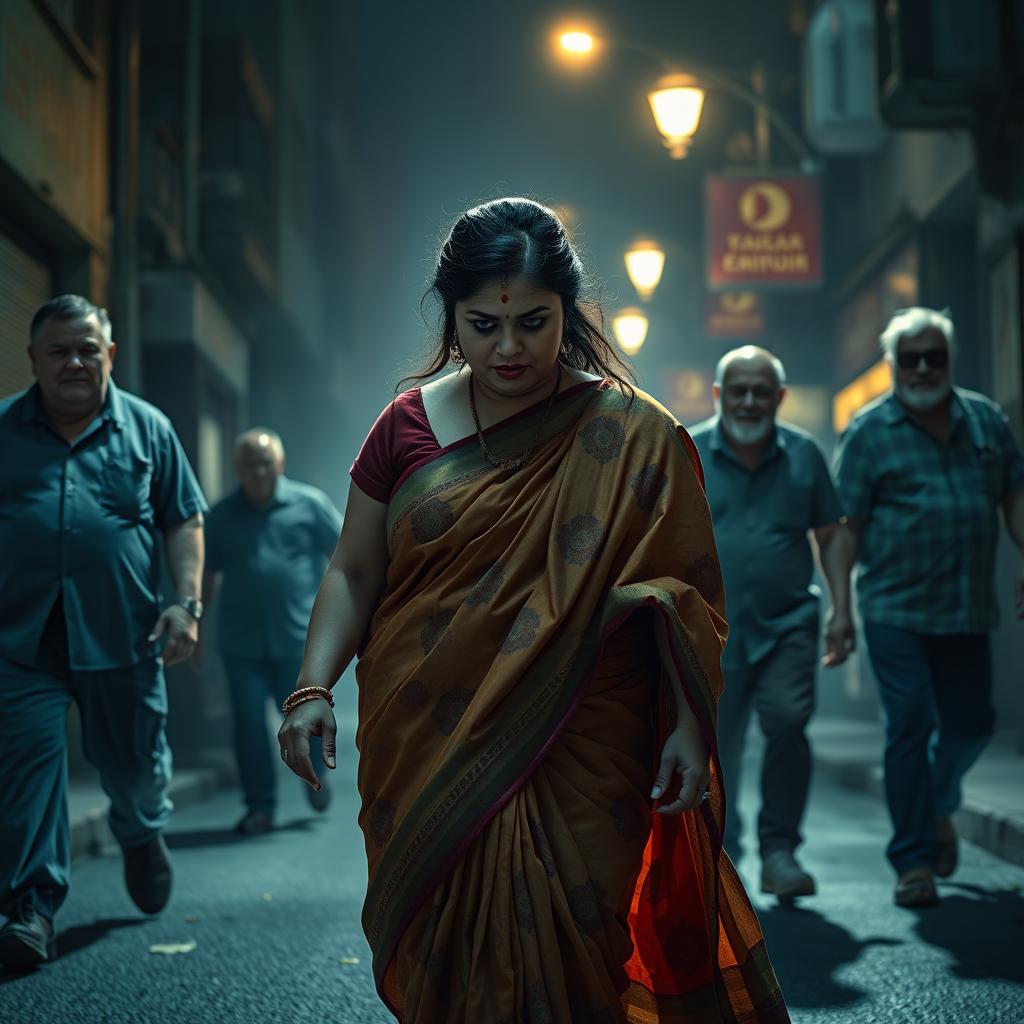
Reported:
(684, 752)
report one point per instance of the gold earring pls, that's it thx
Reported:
(455, 350)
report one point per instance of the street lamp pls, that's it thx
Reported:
(577, 43)
(630, 327)
(676, 102)
(676, 105)
(645, 262)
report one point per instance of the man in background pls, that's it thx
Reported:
(270, 541)
(92, 480)
(769, 488)
(922, 473)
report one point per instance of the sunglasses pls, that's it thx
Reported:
(934, 359)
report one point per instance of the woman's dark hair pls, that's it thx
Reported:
(507, 238)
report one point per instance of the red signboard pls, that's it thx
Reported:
(733, 315)
(763, 232)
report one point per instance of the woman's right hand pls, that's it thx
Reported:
(310, 718)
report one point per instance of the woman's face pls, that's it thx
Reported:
(511, 333)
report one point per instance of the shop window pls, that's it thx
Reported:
(869, 385)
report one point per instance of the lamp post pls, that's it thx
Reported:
(677, 100)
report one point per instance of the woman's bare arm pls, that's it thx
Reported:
(349, 592)
(342, 611)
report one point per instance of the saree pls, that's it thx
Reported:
(513, 703)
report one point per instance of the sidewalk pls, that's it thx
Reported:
(992, 815)
(87, 803)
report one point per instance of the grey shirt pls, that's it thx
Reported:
(82, 522)
(273, 560)
(761, 518)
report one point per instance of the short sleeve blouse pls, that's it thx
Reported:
(400, 439)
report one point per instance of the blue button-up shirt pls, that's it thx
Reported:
(82, 522)
(927, 546)
(273, 560)
(761, 518)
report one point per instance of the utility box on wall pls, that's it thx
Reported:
(841, 114)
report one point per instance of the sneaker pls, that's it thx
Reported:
(782, 875)
(948, 847)
(916, 888)
(147, 874)
(319, 799)
(26, 940)
(255, 823)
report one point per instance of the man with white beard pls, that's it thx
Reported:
(921, 473)
(770, 492)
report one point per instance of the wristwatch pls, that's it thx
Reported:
(193, 606)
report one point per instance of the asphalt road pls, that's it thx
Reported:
(275, 922)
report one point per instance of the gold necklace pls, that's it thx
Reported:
(516, 463)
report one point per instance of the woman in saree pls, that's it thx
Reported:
(528, 573)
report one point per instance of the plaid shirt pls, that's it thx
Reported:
(927, 546)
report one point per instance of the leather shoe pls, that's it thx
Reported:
(147, 874)
(26, 940)
(255, 823)
(782, 875)
(916, 888)
(948, 850)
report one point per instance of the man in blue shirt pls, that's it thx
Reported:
(270, 541)
(92, 479)
(768, 486)
(922, 473)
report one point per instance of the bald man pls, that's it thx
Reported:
(770, 491)
(270, 541)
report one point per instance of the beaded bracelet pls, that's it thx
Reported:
(293, 700)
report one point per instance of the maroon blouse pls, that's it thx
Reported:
(402, 439)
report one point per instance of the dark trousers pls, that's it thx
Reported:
(123, 714)
(780, 688)
(253, 682)
(936, 692)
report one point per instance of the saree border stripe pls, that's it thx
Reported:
(705, 1005)
(463, 461)
(452, 811)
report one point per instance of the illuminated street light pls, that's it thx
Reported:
(678, 99)
(630, 327)
(645, 262)
(580, 43)
(676, 105)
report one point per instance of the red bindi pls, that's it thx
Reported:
(504, 298)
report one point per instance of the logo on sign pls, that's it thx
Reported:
(734, 315)
(765, 207)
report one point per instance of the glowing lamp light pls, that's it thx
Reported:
(630, 327)
(645, 262)
(576, 42)
(676, 105)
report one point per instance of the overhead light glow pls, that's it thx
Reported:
(630, 327)
(676, 105)
(576, 42)
(645, 262)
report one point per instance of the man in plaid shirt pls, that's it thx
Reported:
(921, 473)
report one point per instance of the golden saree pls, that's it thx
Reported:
(512, 707)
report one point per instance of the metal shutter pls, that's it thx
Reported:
(24, 287)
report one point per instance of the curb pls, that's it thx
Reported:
(977, 822)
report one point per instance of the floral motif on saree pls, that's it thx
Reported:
(512, 707)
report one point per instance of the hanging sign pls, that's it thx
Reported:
(763, 232)
(733, 315)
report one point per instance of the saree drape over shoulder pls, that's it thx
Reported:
(512, 707)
